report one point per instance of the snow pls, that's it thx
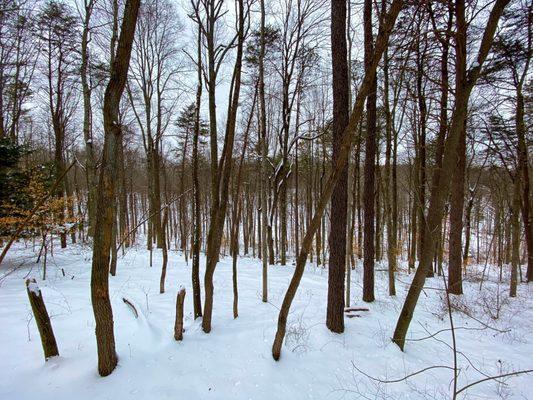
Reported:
(34, 288)
(234, 361)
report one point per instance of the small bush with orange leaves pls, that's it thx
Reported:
(50, 217)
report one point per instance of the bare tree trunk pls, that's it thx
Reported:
(114, 254)
(385, 28)
(443, 116)
(235, 255)
(237, 210)
(103, 314)
(455, 284)
(441, 181)
(468, 227)
(523, 165)
(264, 162)
(389, 190)
(223, 178)
(42, 319)
(422, 109)
(90, 159)
(369, 195)
(455, 281)
(414, 215)
(178, 324)
(515, 236)
(339, 197)
(164, 250)
(196, 291)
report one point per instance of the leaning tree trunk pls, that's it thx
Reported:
(385, 28)
(441, 181)
(42, 319)
(103, 314)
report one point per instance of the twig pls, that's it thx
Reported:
(148, 217)
(403, 378)
(491, 378)
(132, 307)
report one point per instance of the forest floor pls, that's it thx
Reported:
(234, 361)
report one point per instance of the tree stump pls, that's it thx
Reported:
(42, 319)
(178, 325)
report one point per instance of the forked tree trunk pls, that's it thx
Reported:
(103, 314)
(222, 179)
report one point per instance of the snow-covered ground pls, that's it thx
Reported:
(234, 361)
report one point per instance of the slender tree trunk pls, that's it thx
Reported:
(515, 236)
(264, 162)
(421, 188)
(369, 195)
(389, 191)
(90, 162)
(165, 252)
(468, 227)
(523, 165)
(197, 228)
(414, 215)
